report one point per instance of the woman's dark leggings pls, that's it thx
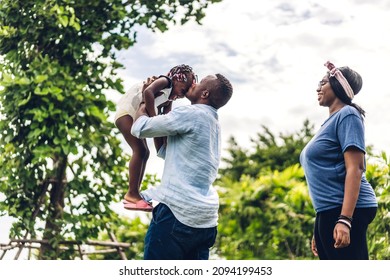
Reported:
(323, 234)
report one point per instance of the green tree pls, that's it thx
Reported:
(269, 152)
(132, 231)
(378, 235)
(60, 162)
(269, 217)
(265, 209)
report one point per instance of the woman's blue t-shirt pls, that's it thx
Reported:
(323, 161)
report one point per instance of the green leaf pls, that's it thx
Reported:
(64, 20)
(25, 101)
(22, 81)
(40, 78)
(76, 26)
(94, 111)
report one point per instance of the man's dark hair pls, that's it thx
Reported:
(223, 91)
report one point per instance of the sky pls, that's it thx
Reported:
(273, 53)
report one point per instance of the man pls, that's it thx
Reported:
(184, 224)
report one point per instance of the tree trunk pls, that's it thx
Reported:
(53, 225)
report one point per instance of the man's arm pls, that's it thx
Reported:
(145, 126)
(178, 121)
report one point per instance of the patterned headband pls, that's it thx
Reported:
(335, 72)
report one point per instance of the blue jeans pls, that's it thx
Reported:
(169, 239)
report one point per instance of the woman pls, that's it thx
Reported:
(334, 164)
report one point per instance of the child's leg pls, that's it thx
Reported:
(138, 159)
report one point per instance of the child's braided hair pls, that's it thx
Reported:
(179, 72)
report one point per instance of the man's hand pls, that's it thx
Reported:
(141, 111)
(148, 82)
(164, 108)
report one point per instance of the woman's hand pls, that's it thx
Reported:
(341, 235)
(314, 247)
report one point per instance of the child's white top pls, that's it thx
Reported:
(128, 104)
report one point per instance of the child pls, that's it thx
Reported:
(158, 97)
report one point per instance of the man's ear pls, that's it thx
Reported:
(205, 94)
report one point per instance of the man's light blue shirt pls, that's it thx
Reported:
(192, 157)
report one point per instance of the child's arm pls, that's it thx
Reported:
(151, 92)
(148, 82)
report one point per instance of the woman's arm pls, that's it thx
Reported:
(354, 165)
